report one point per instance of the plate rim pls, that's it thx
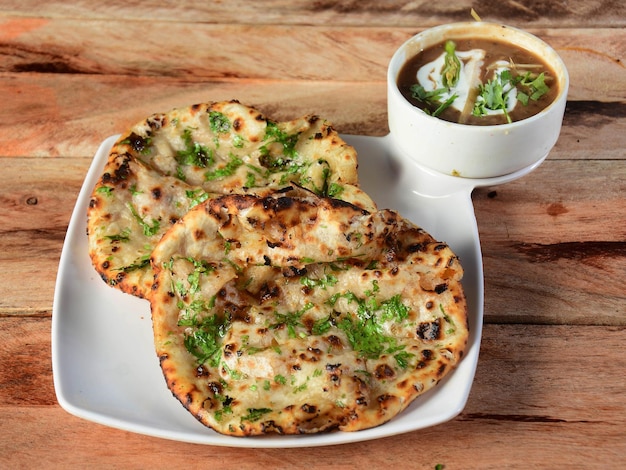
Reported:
(78, 216)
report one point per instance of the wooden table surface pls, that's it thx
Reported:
(550, 388)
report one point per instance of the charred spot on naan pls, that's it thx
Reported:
(325, 326)
(170, 162)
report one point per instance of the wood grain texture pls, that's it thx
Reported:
(527, 395)
(72, 82)
(554, 251)
(280, 52)
(596, 13)
(69, 115)
(37, 199)
(549, 388)
(77, 112)
(550, 256)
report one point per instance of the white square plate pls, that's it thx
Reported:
(104, 363)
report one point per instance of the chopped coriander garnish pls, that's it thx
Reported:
(203, 341)
(194, 153)
(196, 197)
(140, 263)
(323, 282)
(250, 180)
(105, 190)
(302, 387)
(537, 86)
(255, 414)
(275, 135)
(228, 170)
(365, 332)
(219, 122)
(321, 326)
(148, 229)
(291, 319)
(200, 267)
(433, 98)
(493, 95)
(394, 309)
(402, 358)
(123, 236)
(447, 318)
(334, 190)
(133, 190)
(238, 141)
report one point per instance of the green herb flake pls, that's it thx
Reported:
(291, 319)
(204, 339)
(433, 99)
(250, 180)
(273, 134)
(335, 190)
(219, 122)
(123, 236)
(148, 229)
(322, 326)
(194, 153)
(238, 141)
(255, 414)
(141, 263)
(228, 170)
(200, 267)
(324, 282)
(365, 332)
(106, 190)
(197, 196)
(394, 309)
(537, 86)
(402, 359)
(133, 190)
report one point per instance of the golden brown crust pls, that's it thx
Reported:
(300, 314)
(169, 162)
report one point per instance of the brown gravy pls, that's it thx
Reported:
(494, 51)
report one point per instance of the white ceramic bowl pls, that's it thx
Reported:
(467, 150)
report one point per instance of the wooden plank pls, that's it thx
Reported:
(533, 388)
(69, 115)
(537, 268)
(38, 196)
(596, 13)
(550, 255)
(268, 52)
(72, 114)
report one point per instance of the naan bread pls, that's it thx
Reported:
(296, 315)
(171, 161)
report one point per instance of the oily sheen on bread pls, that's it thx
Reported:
(163, 166)
(301, 314)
